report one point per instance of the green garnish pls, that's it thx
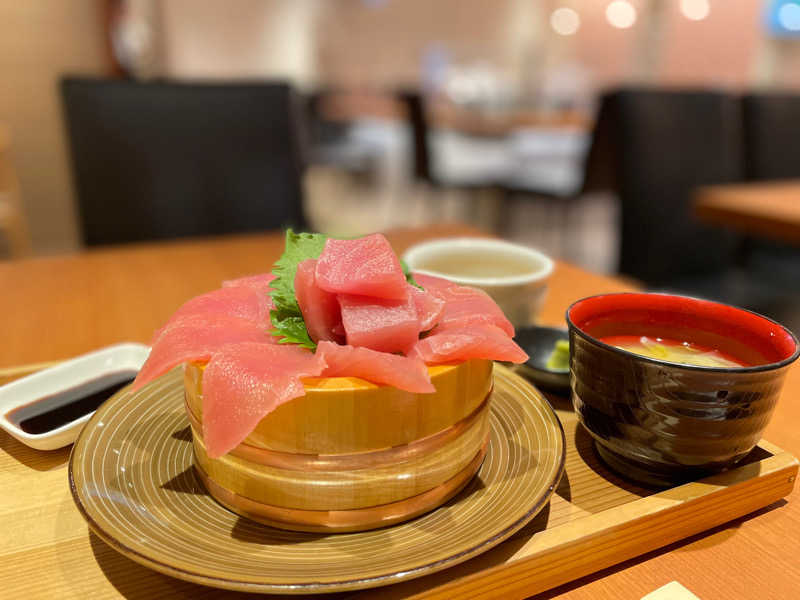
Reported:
(409, 276)
(559, 359)
(286, 317)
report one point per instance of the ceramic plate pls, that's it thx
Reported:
(132, 478)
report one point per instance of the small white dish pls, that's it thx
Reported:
(514, 276)
(40, 391)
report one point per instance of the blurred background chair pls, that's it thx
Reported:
(15, 239)
(166, 160)
(662, 144)
(445, 160)
(771, 132)
(654, 147)
(419, 130)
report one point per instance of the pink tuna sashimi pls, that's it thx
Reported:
(404, 373)
(476, 341)
(245, 382)
(243, 302)
(429, 307)
(196, 337)
(379, 324)
(320, 309)
(464, 305)
(367, 266)
(261, 281)
(432, 283)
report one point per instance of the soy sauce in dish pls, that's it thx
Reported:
(53, 411)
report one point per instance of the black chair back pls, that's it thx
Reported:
(417, 117)
(654, 147)
(165, 160)
(771, 131)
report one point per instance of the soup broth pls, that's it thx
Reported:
(673, 351)
(474, 264)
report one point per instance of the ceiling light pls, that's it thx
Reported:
(565, 21)
(621, 14)
(695, 10)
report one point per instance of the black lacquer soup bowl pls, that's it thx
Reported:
(661, 422)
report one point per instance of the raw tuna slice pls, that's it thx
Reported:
(404, 373)
(243, 302)
(379, 324)
(366, 266)
(429, 307)
(320, 309)
(245, 382)
(475, 341)
(197, 337)
(259, 282)
(464, 305)
(432, 283)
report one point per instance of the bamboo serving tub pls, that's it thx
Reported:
(351, 455)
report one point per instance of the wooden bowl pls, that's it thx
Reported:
(351, 455)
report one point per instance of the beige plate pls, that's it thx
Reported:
(131, 476)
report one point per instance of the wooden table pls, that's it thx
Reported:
(769, 209)
(54, 308)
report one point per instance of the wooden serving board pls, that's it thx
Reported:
(597, 519)
(594, 520)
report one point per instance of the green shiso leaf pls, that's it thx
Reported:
(286, 317)
(409, 276)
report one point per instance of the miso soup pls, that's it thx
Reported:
(673, 351)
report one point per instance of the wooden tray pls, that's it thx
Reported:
(594, 520)
(597, 519)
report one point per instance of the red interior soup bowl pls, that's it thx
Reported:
(654, 416)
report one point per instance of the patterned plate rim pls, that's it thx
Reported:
(339, 586)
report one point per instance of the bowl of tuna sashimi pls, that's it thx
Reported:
(339, 392)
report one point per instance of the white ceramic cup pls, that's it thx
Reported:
(514, 276)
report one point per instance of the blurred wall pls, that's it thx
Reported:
(39, 41)
(382, 43)
(391, 43)
(207, 39)
(719, 50)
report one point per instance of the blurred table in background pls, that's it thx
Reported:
(544, 160)
(356, 105)
(768, 209)
(504, 121)
(517, 149)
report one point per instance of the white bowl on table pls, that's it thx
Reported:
(514, 276)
